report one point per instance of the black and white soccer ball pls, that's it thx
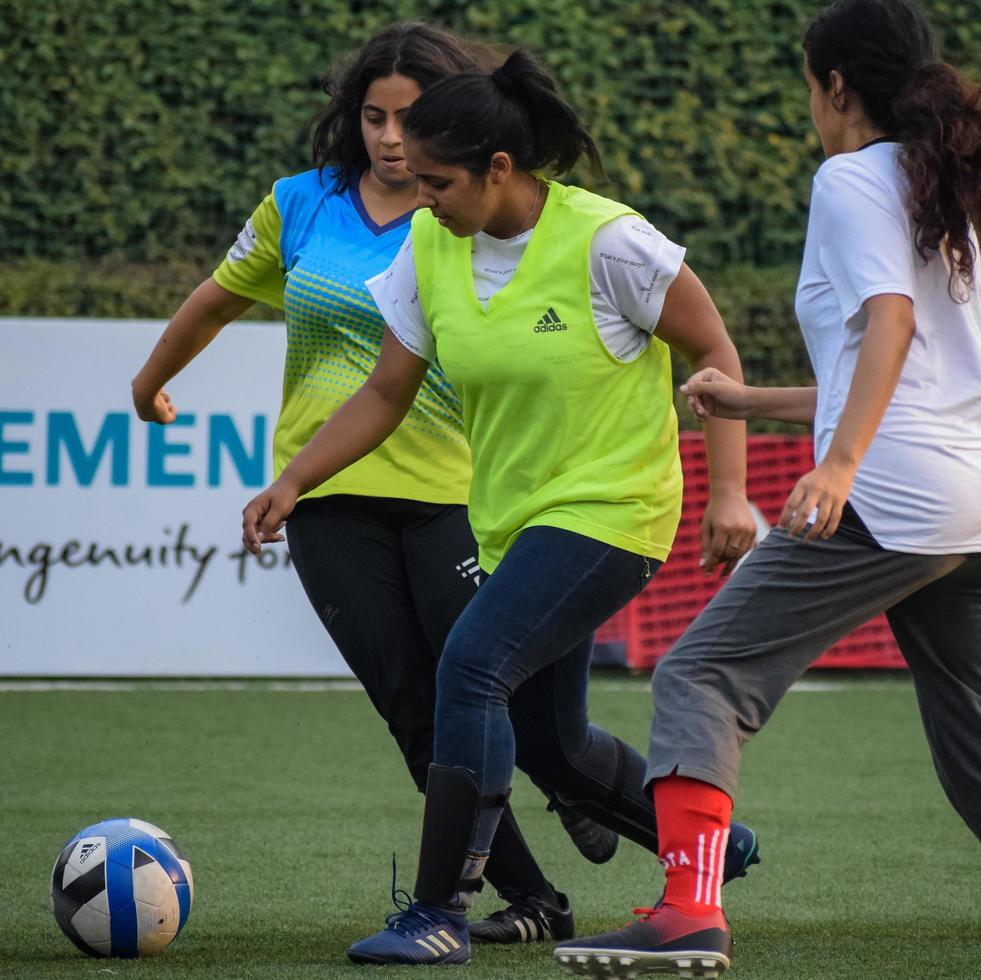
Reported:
(121, 888)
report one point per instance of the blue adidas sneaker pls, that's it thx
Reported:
(420, 935)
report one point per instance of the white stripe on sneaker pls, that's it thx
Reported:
(449, 938)
(425, 945)
(443, 948)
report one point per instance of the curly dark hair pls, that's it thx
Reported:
(887, 54)
(417, 50)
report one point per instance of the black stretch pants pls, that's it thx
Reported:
(388, 579)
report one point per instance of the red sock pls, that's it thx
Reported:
(692, 830)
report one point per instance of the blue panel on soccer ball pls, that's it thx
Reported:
(93, 889)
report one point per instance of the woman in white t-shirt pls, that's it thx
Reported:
(890, 517)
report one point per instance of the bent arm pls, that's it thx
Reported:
(197, 322)
(885, 346)
(364, 421)
(357, 428)
(712, 394)
(691, 324)
(795, 405)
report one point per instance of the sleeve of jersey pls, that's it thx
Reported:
(397, 297)
(863, 238)
(632, 264)
(253, 266)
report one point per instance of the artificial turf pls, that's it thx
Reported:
(289, 805)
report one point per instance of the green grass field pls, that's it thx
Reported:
(289, 805)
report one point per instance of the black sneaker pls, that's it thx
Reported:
(594, 842)
(528, 919)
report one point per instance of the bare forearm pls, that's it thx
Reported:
(195, 325)
(363, 422)
(725, 439)
(877, 370)
(357, 428)
(796, 405)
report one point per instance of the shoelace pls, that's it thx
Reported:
(412, 920)
(405, 919)
(645, 912)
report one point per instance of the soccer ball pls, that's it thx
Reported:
(121, 888)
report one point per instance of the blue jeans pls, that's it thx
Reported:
(515, 669)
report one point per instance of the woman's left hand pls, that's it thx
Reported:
(264, 516)
(728, 531)
(822, 492)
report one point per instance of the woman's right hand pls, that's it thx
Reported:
(712, 394)
(154, 406)
(265, 515)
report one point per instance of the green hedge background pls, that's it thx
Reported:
(138, 135)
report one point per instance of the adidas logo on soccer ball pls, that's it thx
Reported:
(86, 852)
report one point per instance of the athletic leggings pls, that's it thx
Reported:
(388, 579)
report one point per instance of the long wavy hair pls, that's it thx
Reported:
(416, 50)
(887, 53)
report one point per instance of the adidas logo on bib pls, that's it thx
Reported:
(550, 322)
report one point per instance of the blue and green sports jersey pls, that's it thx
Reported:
(308, 250)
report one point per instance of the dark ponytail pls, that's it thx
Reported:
(940, 127)
(416, 50)
(887, 54)
(464, 120)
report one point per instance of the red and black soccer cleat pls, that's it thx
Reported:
(662, 941)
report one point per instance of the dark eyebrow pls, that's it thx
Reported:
(374, 108)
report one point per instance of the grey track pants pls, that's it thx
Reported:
(787, 603)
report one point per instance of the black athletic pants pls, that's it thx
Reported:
(388, 578)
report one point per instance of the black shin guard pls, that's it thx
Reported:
(452, 805)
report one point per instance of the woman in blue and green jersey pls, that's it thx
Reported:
(384, 550)
(552, 311)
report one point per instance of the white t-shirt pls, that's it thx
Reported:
(631, 266)
(918, 488)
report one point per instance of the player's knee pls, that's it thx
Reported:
(669, 678)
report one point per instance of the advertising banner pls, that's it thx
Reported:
(120, 547)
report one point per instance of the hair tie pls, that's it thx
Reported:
(504, 82)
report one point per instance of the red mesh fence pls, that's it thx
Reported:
(658, 616)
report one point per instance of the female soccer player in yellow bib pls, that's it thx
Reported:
(384, 551)
(552, 311)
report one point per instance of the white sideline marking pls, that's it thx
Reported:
(801, 687)
(181, 685)
(13, 685)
